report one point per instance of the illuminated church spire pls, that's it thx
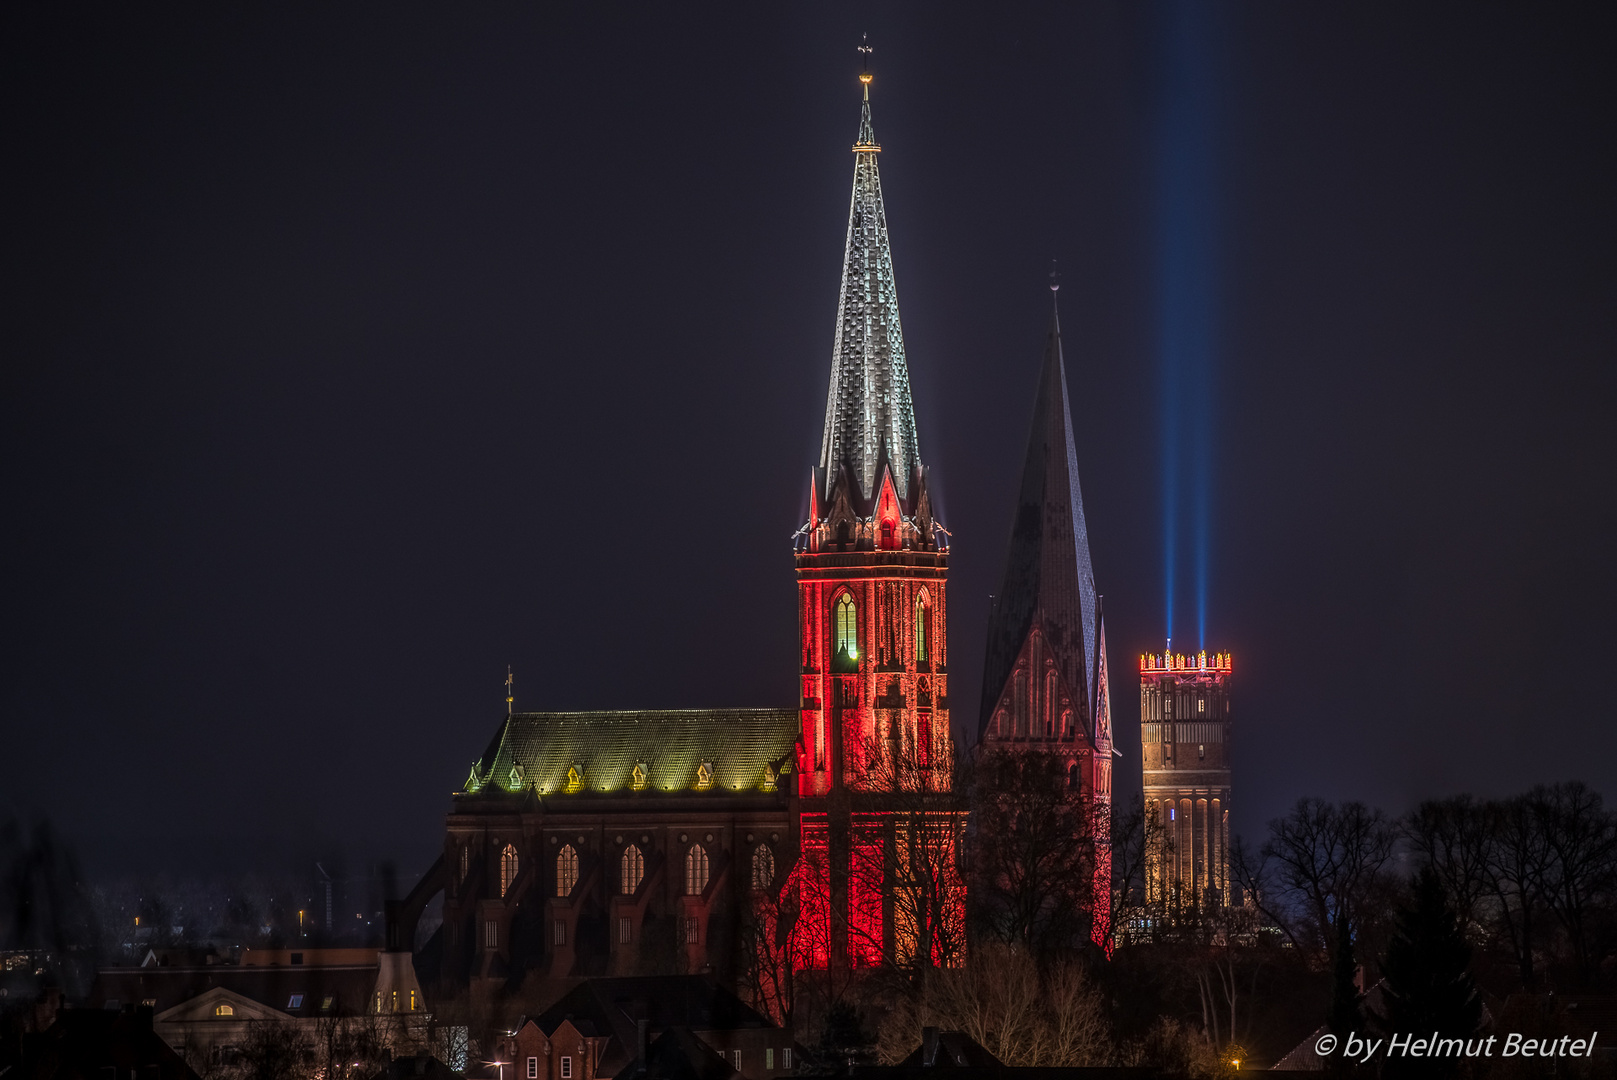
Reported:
(868, 410)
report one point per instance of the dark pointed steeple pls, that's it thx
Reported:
(868, 405)
(1048, 579)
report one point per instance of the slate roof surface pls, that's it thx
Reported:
(868, 407)
(349, 986)
(614, 1006)
(1048, 575)
(604, 747)
(676, 1054)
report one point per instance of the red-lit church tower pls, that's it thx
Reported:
(876, 753)
(1044, 678)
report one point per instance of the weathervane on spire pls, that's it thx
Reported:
(509, 696)
(865, 49)
(1055, 278)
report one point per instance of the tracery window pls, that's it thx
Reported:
(1019, 701)
(846, 639)
(923, 620)
(508, 868)
(763, 867)
(566, 870)
(1049, 704)
(631, 869)
(695, 870)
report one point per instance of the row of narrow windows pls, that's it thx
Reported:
(631, 869)
(1048, 720)
(845, 628)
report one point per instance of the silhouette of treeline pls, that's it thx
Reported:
(1460, 904)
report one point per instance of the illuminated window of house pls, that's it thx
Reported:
(846, 639)
(786, 1057)
(736, 1054)
(533, 1068)
(631, 870)
(566, 870)
(295, 1001)
(508, 868)
(769, 1057)
(325, 1003)
(413, 1004)
(224, 1010)
(923, 621)
(763, 867)
(567, 1067)
(695, 870)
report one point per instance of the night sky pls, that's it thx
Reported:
(351, 356)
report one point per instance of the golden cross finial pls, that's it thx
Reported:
(509, 697)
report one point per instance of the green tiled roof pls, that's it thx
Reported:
(540, 750)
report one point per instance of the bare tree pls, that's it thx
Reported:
(1035, 841)
(1580, 836)
(907, 826)
(1517, 865)
(1328, 859)
(1000, 1000)
(1454, 836)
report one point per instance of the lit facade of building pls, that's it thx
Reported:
(1044, 678)
(1185, 743)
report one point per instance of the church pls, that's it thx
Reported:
(742, 842)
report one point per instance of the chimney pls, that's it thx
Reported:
(929, 1046)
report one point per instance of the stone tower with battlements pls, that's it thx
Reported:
(1185, 743)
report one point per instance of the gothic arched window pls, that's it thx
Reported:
(566, 870)
(923, 628)
(695, 870)
(763, 867)
(1019, 701)
(465, 860)
(631, 870)
(845, 639)
(1050, 704)
(508, 868)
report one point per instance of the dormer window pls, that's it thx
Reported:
(888, 534)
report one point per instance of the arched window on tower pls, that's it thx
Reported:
(566, 870)
(1072, 777)
(508, 868)
(1049, 704)
(888, 532)
(763, 868)
(923, 629)
(695, 870)
(845, 630)
(631, 870)
(465, 860)
(1019, 701)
